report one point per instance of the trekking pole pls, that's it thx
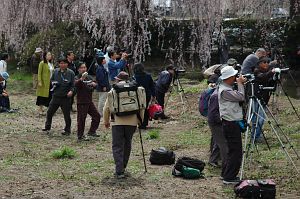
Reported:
(141, 139)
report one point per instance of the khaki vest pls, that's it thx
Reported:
(230, 111)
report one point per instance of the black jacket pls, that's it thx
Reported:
(264, 79)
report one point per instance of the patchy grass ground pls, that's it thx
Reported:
(29, 170)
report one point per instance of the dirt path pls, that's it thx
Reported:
(27, 169)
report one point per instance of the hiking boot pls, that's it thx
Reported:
(93, 134)
(164, 117)
(46, 129)
(83, 138)
(120, 175)
(66, 133)
(231, 181)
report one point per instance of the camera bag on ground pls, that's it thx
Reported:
(256, 189)
(189, 168)
(203, 101)
(126, 98)
(155, 111)
(162, 156)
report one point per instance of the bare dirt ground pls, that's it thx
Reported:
(27, 169)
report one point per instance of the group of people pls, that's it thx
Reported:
(57, 86)
(226, 117)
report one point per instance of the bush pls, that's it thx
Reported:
(153, 134)
(64, 152)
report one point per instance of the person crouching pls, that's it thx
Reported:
(231, 114)
(123, 129)
(85, 87)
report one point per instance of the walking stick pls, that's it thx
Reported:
(141, 139)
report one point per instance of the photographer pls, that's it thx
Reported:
(231, 114)
(63, 88)
(4, 97)
(251, 61)
(113, 66)
(85, 87)
(103, 86)
(264, 78)
(163, 84)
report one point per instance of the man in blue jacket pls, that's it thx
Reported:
(114, 67)
(103, 83)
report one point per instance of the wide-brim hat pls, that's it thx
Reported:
(228, 71)
(38, 50)
(122, 76)
(232, 61)
(4, 75)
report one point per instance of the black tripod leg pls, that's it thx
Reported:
(285, 136)
(288, 97)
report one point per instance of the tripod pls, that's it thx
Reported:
(250, 114)
(176, 83)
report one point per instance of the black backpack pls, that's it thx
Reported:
(186, 162)
(162, 156)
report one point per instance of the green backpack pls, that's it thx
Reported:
(190, 173)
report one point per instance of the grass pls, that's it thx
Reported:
(153, 134)
(63, 153)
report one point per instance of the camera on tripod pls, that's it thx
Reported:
(178, 72)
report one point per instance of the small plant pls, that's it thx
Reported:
(64, 152)
(153, 134)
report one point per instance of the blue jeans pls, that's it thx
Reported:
(258, 117)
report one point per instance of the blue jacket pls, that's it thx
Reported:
(102, 79)
(163, 82)
(115, 67)
(145, 80)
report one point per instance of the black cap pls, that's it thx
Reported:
(62, 59)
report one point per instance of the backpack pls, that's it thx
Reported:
(256, 189)
(162, 156)
(154, 110)
(189, 168)
(127, 99)
(203, 101)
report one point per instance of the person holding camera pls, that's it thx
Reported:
(103, 86)
(85, 87)
(163, 84)
(62, 81)
(263, 78)
(251, 61)
(114, 67)
(231, 113)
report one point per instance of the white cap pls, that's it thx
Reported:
(38, 50)
(228, 71)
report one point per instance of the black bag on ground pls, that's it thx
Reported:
(162, 156)
(183, 165)
(256, 189)
(267, 188)
(189, 162)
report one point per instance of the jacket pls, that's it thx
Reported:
(65, 82)
(115, 67)
(84, 90)
(34, 63)
(163, 82)
(102, 79)
(145, 80)
(44, 75)
(264, 79)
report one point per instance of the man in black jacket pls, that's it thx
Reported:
(263, 77)
(63, 88)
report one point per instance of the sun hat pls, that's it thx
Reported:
(228, 71)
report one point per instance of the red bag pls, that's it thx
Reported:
(153, 109)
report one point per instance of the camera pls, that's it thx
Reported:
(178, 72)
(55, 84)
